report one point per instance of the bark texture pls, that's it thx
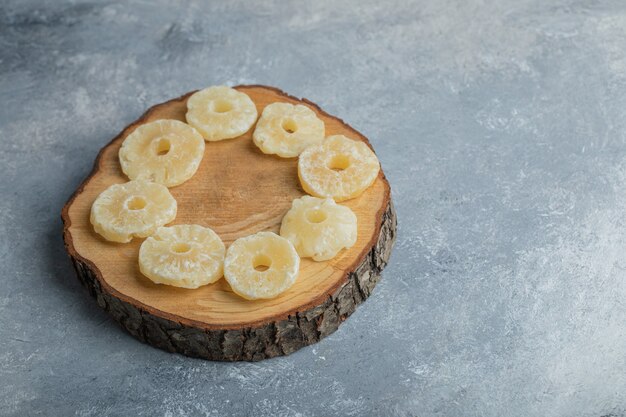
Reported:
(251, 343)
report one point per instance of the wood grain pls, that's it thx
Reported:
(237, 191)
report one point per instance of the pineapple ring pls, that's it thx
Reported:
(319, 228)
(286, 130)
(132, 209)
(165, 151)
(338, 168)
(261, 266)
(221, 112)
(186, 256)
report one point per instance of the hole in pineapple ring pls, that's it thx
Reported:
(136, 203)
(339, 163)
(163, 146)
(180, 247)
(261, 263)
(221, 106)
(316, 216)
(289, 125)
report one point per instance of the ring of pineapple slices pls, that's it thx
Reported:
(221, 112)
(319, 228)
(262, 265)
(186, 255)
(286, 130)
(132, 209)
(338, 168)
(166, 151)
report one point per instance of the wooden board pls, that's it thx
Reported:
(237, 191)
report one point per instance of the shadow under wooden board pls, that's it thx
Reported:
(237, 191)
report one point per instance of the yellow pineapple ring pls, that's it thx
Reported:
(286, 130)
(186, 255)
(338, 168)
(261, 266)
(165, 151)
(221, 112)
(132, 209)
(319, 228)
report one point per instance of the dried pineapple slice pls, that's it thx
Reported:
(132, 209)
(338, 168)
(286, 130)
(319, 228)
(262, 265)
(164, 151)
(186, 256)
(221, 112)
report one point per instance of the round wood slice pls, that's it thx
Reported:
(237, 191)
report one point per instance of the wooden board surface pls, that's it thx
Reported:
(237, 191)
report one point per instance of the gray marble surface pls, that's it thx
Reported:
(501, 126)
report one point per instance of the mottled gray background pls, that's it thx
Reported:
(500, 124)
